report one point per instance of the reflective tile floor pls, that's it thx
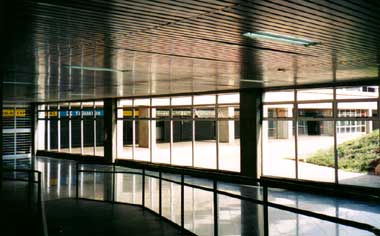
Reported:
(17, 209)
(235, 217)
(78, 218)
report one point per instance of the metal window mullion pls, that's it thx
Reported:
(295, 123)
(94, 127)
(58, 106)
(150, 130)
(171, 130)
(48, 129)
(378, 110)
(217, 129)
(81, 129)
(133, 130)
(335, 115)
(193, 132)
(70, 134)
(58, 128)
(15, 133)
(81, 103)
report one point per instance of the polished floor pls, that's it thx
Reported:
(82, 217)
(235, 217)
(18, 212)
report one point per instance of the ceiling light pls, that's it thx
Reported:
(252, 81)
(96, 68)
(17, 83)
(281, 38)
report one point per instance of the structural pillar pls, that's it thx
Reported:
(226, 127)
(147, 132)
(1, 126)
(120, 132)
(34, 133)
(250, 132)
(368, 124)
(1, 130)
(109, 130)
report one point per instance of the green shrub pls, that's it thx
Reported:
(357, 155)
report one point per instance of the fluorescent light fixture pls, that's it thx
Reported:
(17, 83)
(253, 81)
(281, 38)
(96, 68)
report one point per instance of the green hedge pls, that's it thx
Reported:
(356, 155)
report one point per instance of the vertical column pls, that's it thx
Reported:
(119, 131)
(34, 132)
(226, 127)
(1, 126)
(109, 130)
(147, 133)
(368, 124)
(250, 132)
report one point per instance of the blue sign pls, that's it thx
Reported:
(76, 113)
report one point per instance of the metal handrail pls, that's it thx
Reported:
(214, 189)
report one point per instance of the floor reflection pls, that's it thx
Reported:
(235, 217)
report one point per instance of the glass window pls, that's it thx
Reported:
(99, 128)
(232, 98)
(316, 145)
(160, 102)
(205, 112)
(182, 153)
(315, 110)
(178, 101)
(205, 144)
(161, 151)
(278, 111)
(279, 149)
(229, 143)
(315, 94)
(357, 109)
(358, 158)
(205, 100)
(279, 96)
(359, 92)
(142, 137)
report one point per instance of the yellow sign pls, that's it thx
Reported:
(128, 113)
(11, 112)
(53, 113)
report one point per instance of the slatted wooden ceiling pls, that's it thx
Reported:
(167, 46)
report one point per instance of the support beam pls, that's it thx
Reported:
(1, 126)
(250, 132)
(34, 133)
(226, 127)
(109, 130)
(145, 140)
(119, 132)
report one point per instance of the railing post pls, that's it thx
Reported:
(160, 193)
(143, 188)
(266, 215)
(113, 183)
(29, 186)
(39, 191)
(182, 201)
(215, 189)
(77, 181)
(1, 174)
